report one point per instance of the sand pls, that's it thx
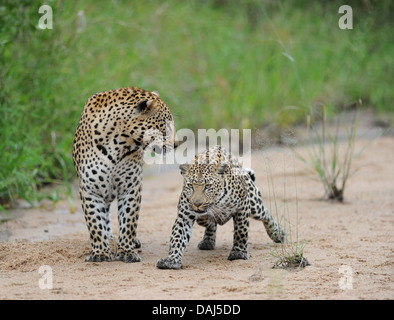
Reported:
(350, 244)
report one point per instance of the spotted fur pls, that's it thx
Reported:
(216, 188)
(114, 130)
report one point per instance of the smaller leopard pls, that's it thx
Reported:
(217, 188)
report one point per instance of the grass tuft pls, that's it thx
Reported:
(290, 254)
(331, 149)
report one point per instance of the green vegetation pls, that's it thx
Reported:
(216, 63)
(290, 253)
(332, 164)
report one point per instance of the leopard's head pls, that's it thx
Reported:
(203, 184)
(154, 123)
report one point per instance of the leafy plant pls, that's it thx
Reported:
(330, 156)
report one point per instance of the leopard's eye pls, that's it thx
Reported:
(207, 186)
(189, 185)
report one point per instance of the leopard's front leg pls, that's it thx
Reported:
(129, 203)
(180, 236)
(241, 230)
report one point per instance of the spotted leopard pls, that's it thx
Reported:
(216, 188)
(114, 130)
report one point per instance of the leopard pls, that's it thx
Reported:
(114, 131)
(215, 189)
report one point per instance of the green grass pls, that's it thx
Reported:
(329, 155)
(290, 253)
(331, 163)
(216, 63)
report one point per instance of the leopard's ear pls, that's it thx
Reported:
(145, 106)
(221, 168)
(184, 168)
(156, 93)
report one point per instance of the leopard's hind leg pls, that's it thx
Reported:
(260, 212)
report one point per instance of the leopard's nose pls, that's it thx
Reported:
(196, 203)
(198, 206)
(199, 209)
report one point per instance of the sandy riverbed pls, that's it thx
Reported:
(350, 244)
